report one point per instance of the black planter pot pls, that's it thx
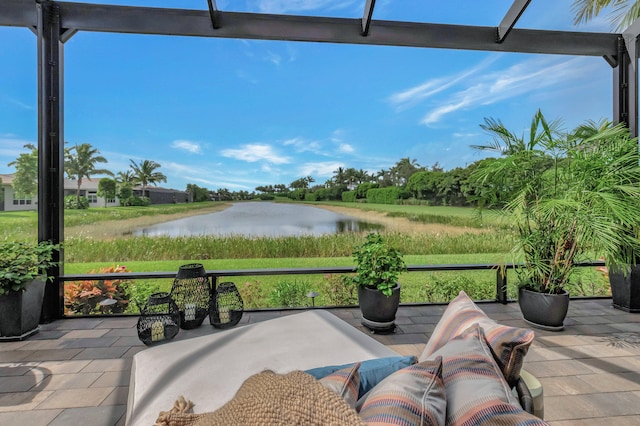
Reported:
(20, 312)
(625, 290)
(542, 310)
(378, 310)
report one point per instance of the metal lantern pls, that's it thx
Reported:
(159, 319)
(226, 306)
(191, 291)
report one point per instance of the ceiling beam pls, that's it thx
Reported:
(18, 13)
(366, 18)
(145, 20)
(513, 14)
(213, 12)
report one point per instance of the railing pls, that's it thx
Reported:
(501, 273)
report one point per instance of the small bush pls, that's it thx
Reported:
(253, 295)
(441, 289)
(71, 202)
(290, 294)
(338, 290)
(139, 294)
(311, 196)
(83, 297)
(266, 197)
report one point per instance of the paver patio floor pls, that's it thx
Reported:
(76, 371)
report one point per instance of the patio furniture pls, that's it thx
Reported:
(209, 370)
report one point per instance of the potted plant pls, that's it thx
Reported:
(22, 281)
(625, 283)
(571, 197)
(378, 266)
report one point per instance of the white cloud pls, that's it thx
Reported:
(519, 79)
(412, 96)
(284, 6)
(321, 169)
(303, 145)
(192, 147)
(252, 153)
(345, 148)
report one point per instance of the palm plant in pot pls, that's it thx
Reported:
(378, 266)
(571, 197)
(22, 282)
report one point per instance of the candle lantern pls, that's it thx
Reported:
(191, 292)
(159, 319)
(226, 306)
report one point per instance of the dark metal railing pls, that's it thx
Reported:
(501, 273)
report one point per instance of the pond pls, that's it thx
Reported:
(258, 219)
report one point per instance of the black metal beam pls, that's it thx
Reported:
(513, 14)
(50, 149)
(625, 90)
(366, 18)
(18, 13)
(214, 14)
(145, 20)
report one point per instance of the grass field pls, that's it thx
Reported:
(101, 237)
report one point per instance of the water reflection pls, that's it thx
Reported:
(256, 219)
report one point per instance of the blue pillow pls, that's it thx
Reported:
(372, 371)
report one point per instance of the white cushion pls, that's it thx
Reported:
(209, 370)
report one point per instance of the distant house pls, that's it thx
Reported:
(89, 189)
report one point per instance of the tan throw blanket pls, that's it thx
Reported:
(270, 399)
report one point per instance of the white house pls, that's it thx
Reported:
(89, 189)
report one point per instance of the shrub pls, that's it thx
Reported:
(71, 202)
(388, 195)
(290, 294)
(266, 197)
(83, 297)
(253, 295)
(441, 289)
(311, 196)
(349, 196)
(338, 290)
(140, 292)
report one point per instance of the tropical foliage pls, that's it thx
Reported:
(22, 262)
(80, 162)
(571, 196)
(621, 12)
(100, 296)
(145, 173)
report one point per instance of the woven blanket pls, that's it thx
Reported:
(270, 399)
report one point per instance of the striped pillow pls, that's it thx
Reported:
(508, 344)
(414, 395)
(345, 383)
(476, 391)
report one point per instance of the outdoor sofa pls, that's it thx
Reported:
(463, 349)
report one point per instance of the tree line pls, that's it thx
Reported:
(81, 161)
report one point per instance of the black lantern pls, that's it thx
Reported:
(226, 306)
(159, 319)
(191, 292)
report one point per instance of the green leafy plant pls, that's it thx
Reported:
(378, 265)
(571, 196)
(290, 294)
(338, 290)
(140, 291)
(22, 262)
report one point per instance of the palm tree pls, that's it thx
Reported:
(125, 178)
(145, 174)
(80, 162)
(622, 14)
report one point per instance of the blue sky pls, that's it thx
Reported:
(237, 114)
